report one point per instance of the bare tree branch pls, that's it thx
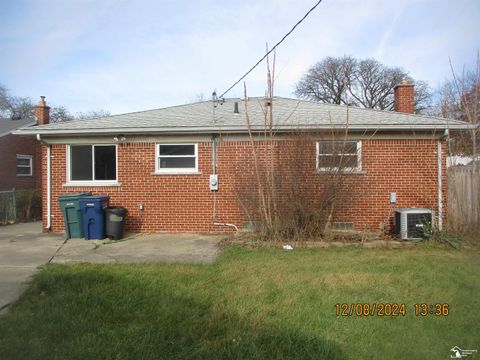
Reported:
(369, 83)
(325, 81)
(459, 99)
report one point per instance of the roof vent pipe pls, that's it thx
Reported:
(235, 108)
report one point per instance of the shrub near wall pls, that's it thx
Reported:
(29, 205)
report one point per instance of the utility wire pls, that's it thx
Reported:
(268, 53)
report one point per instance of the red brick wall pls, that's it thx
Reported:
(184, 203)
(10, 146)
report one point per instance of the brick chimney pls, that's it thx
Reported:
(404, 101)
(42, 112)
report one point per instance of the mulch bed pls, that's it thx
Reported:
(338, 239)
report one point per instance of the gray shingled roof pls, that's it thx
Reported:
(8, 125)
(203, 117)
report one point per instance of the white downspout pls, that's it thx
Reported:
(49, 191)
(439, 181)
(49, 181)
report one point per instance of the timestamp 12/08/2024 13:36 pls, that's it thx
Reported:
(391, 309)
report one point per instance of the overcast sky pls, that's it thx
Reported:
(124, 56)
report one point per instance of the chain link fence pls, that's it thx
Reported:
(8, 207)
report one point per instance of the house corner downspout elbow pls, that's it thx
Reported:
(225, 224)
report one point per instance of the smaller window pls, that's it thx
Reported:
(24, 165)
(177, 158)
(339, 155)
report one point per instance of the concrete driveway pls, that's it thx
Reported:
(23, 247)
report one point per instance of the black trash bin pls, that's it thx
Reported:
(115, 222)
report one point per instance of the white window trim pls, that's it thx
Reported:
(356, 169)
(71, 182)
(158, 170)
(30, 166)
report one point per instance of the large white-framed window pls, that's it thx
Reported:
(176, 158)
(92, 164)
(24, 165)
(339, 155)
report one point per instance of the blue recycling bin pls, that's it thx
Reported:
(93, 214)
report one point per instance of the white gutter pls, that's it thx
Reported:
(238, 129)
(439, 181)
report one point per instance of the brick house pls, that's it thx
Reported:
(158, 163)
(19, 167)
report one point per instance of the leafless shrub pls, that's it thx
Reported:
(281, 190)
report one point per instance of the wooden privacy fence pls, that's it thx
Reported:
(463, 199)
(8, 207)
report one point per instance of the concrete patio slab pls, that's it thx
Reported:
(157, 247)
(23, 247)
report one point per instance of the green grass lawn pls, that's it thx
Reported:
(257, 304)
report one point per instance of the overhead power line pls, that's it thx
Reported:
(272, 49)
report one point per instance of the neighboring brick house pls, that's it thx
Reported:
(158, 163)
(19, 155)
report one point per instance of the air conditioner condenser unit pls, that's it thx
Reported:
(410, 222)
